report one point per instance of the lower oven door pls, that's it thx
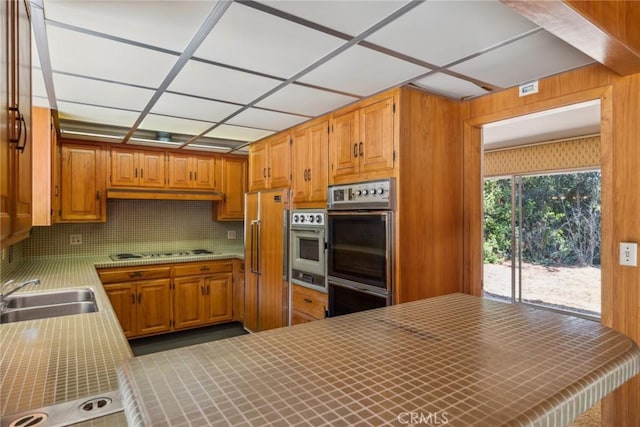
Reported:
(346, 299)
(308, 264)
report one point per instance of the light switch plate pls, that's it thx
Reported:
(629, 254)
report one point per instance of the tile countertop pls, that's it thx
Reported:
(48, 361)
(457, 360)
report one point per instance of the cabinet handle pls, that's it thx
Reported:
(264, 172)
(269, 172)
(202, 290)
(208, 289)
(308, 301)
(361, 150)
(135, 274)
(56, 191)
(98, 195)
(141, 173)
(309, 175)
(139, 298)
(135, 173)
(133, 299)
(204, 268)
(22, 125)
(355, 150)
(190, 176)
(195, 176)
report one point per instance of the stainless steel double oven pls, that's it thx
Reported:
(308, 262)
(360, 246)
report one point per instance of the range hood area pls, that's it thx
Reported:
(146, 194)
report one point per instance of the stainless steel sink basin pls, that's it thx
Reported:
(46, 311)
(50, 298)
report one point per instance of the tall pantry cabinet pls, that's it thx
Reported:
(266, 285)
(15, 125)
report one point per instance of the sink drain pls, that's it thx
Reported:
(94, 404)
(33, 419)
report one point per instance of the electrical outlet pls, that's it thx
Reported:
(75, 239)
(629, 254)
(231, 234)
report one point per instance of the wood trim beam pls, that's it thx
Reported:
(589, 29)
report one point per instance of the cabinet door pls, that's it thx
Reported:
(300, 152)
(343, 145)
(219, 298)
(124, 303)
(233, 185)
(82, 184)
(204, 173)
(318, 152)
(279, 167)
(5, 194)
(151, 167)
(124, 168)
(188, 306)
(180, 172)
(376, 131)
(258, 166)
(153, 313)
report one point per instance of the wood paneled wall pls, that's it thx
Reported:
(620, 164)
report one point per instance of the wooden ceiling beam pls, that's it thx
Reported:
(607, 31)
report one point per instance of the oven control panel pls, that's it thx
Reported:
(362, 195)
(308, 217)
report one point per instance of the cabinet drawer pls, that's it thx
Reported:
(299, 317)
(203, 268)
(127, 274)
(308, 301)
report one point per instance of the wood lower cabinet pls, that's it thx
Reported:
(204, 298)
(83, 195)
(307, 305)
(238, 291)
(143, 308)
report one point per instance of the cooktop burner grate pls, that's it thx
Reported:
(163, 254)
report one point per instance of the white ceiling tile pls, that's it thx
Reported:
(347, 16)
(362, 71)
(444, 31)
(82, 54)
(96, 92)
(101, 115)
(263, 119)
(211, 81)
(254, 40)
(239, 133)
(167, 24)
(192, 108)
(450, 86)
(158, 123)
(531, 58)
(305, 100)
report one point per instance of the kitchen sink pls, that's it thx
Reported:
(46, 311)
(50, 298)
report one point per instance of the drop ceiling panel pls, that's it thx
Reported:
(350, 17)
(100, 115)
(450, 86)
(362, 71)
(444, 31)
(239, 133)
(38, 87)
(166, 24)
(250, 39)
(82, 54)
(211, 81)
(192, 108)
(534, 57)
(264, 119)
(159, 123)
(305, 100)
(96, 92)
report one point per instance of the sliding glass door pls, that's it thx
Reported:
(542, 240)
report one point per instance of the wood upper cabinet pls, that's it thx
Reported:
(233, 185)
(192, 172)
(134, 168)
(83, 195)
(46, 177)
(15, 127)
(269, 163)
(362, 141)
(309, 151)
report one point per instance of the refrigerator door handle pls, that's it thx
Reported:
(258, 233)
(253, 250)
(285, 244)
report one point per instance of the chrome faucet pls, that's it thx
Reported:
(3, 296)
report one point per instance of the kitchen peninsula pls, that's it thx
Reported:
(454, 358)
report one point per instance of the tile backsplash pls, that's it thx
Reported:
(138, 226)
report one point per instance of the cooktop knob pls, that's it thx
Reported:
(318, 219)
(381, 191)
(358, 193)
(301, 218)
(311, 218)
(365, 192)
(295, 218)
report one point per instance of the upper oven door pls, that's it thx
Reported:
(308, 251)
(359, 248)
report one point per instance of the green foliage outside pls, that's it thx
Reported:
(561, 219)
